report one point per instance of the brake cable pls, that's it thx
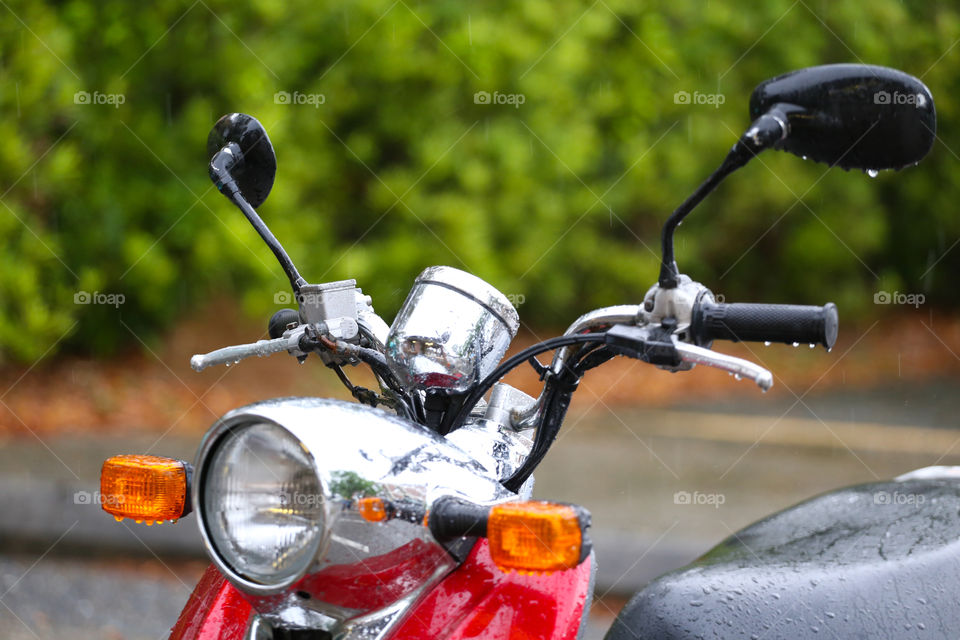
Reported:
(512, 363)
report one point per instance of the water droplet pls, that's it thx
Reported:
(737, 376)
(118, 518)
(696, 603)
(813, 346)
(873, 173)
(796, 344)
(767, 343)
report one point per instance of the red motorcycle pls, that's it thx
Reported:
(409, 514)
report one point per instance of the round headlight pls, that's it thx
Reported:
(263, 503)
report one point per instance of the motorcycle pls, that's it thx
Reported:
(410, 513)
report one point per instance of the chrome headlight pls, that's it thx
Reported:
(280, 489)
(263, 504)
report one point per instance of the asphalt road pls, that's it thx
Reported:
(56, 597)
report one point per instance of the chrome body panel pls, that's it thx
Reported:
(357, 452)
(500, 449)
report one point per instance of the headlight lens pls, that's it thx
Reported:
(262, 503)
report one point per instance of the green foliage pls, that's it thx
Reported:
(558, 199)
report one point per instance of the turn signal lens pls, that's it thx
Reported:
(145, 488)
(535, 536)
(372, 509)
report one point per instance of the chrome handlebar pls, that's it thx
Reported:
(236, 353)
(375, 330)
(529, 416)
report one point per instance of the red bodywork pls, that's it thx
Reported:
(215, 610)
(477, 600)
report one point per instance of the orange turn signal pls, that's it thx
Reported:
(535, 536)
(372, 509)
(145, 488)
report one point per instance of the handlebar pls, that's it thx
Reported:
(236, 353)
(788, 323)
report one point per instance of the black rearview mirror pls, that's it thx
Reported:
(243, 166)
(253, 163)
(854, 116)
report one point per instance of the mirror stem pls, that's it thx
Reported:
(765, 131)
(668, 266)
(220, 166)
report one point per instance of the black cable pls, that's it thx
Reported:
(556, 401)
(405, 404)
(343, 376)
(416, 401)
(378, 363)
(512, 363)
(558, 394)
(593, 359)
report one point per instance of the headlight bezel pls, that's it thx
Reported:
(213, 443)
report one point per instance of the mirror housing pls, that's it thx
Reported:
(854, 116)
(239, 149)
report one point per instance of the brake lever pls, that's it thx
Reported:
(658, 346)
(738, 367)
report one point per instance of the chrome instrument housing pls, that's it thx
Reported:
(356, 451)
(452, 330)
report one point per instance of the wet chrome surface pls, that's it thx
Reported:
(452, 331)
(363, 570)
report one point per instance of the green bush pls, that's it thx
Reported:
(558, 199)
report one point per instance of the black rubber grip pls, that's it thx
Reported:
(788, 323)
